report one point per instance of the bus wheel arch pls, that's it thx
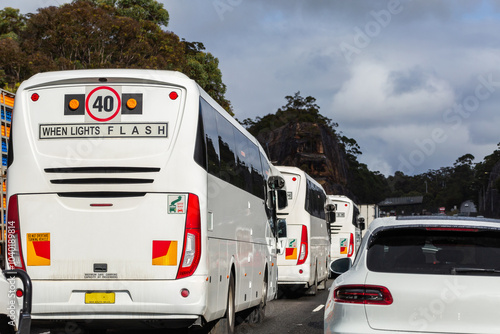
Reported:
(226, 324)
(261, 308)
(313, 289)
(258, 313)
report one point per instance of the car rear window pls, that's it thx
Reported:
(440, 251)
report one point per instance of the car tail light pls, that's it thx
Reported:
(351, 246)
(191, 250)
(303, 246)
(14, 250)
(362, 294)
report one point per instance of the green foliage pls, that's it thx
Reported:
(11, 23)
(446, 187)
(368, 186)
(204, 68)
(139, 10)
(101, 34)
(297, 109)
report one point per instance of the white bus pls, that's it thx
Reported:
(136, 200)
(304, 263)
(346, 230)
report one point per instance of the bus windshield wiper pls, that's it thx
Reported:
(455, 271)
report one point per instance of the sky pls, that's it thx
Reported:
(415, 82)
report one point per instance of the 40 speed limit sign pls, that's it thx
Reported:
(103, 104)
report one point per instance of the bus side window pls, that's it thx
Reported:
(315, 200)
(244, 152)
(226, 146)
(211, 136)
(257, 174)
(200, 150)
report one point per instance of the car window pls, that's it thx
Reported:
(441, 251)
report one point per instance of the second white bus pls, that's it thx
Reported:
(135, 200)
(304, 262)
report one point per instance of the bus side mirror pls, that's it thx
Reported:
(276, 182)
(361, 223)
(282, 228)
(330, 213)
(282, 199)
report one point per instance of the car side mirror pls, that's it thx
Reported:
(340, 266)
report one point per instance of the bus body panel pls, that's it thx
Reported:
(103, 206)
(77, 236)
(299, 220)
(346, 237)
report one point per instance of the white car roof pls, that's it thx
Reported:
(434, 221)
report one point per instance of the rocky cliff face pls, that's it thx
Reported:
(311, 147)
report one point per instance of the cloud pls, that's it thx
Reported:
(413, 67)
(378, 95)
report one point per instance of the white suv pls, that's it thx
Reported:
(419, 275)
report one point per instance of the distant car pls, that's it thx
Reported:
(15, 302)
(433, 274)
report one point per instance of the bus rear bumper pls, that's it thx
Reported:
(154, 301)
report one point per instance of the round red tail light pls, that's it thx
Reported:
(185, 293)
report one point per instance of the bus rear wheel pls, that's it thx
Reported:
(226, 324)
(258, 314)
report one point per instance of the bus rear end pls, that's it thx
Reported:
(294, 268)
(105, 199)
(346, 236)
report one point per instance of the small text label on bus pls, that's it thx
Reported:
(108, 130)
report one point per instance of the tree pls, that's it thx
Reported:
(11, 23)
(297, 109)
(140, 10)
(102, 34)
(465, 160)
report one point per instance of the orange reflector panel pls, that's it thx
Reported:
(291, 253)
(164, 253)
(38, 249)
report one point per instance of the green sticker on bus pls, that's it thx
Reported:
(176, 204)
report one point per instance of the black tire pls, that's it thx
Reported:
(260, 311)
(226, 324)
(313, 289)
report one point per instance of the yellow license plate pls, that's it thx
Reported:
(100, 298)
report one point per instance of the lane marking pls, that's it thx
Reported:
(318, 308)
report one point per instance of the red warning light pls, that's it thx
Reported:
(35, 97)
(294, 179)
(173, 95)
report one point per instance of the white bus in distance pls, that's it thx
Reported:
(304, 263)
(346, 231)
(137, 201)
